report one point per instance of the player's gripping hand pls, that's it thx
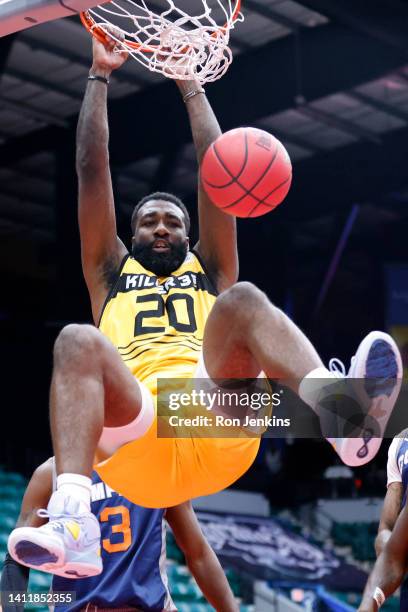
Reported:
(176, 67)
(108, 56)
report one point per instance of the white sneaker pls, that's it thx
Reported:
(377, 368)
(68, 545)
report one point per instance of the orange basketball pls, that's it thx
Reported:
(246, 172)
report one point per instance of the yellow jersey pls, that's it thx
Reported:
(157, 324)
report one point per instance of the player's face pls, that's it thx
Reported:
(160, 242)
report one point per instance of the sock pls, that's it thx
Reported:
(313, 390)
(76, 486)
(311, 386)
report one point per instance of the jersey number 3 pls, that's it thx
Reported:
(123, 528)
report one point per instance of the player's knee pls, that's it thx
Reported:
(75, 342)
(244, 293)
(241, 299)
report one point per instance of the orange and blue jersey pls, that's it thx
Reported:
(133, 548)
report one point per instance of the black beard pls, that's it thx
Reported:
(162, 264)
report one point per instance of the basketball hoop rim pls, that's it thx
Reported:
(90, 24)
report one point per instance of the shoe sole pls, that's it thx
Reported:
(381, 393)
(42, 552)
(76, 570)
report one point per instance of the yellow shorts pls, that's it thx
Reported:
(163, 472)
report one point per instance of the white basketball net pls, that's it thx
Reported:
(173, 43)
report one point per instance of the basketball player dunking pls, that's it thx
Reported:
(133, 552)
(164, 310)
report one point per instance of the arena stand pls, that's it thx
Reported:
(316, 559)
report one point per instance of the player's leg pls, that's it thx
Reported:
(94, 400)
(245, 333)
(91, 388)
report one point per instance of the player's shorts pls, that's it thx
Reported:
(163, 472)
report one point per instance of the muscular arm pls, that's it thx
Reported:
(200, 558)
(37, 495)
(14, 577)
(389, 569)
(217, 243)
(389, 515)
(101, 249)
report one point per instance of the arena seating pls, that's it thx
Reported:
(12, 487)
(359, 536)
(184, 590)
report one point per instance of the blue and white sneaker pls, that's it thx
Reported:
(68, 545)
(377, 368)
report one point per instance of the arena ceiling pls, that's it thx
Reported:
(327, 77)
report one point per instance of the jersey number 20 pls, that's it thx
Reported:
(161, 306)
